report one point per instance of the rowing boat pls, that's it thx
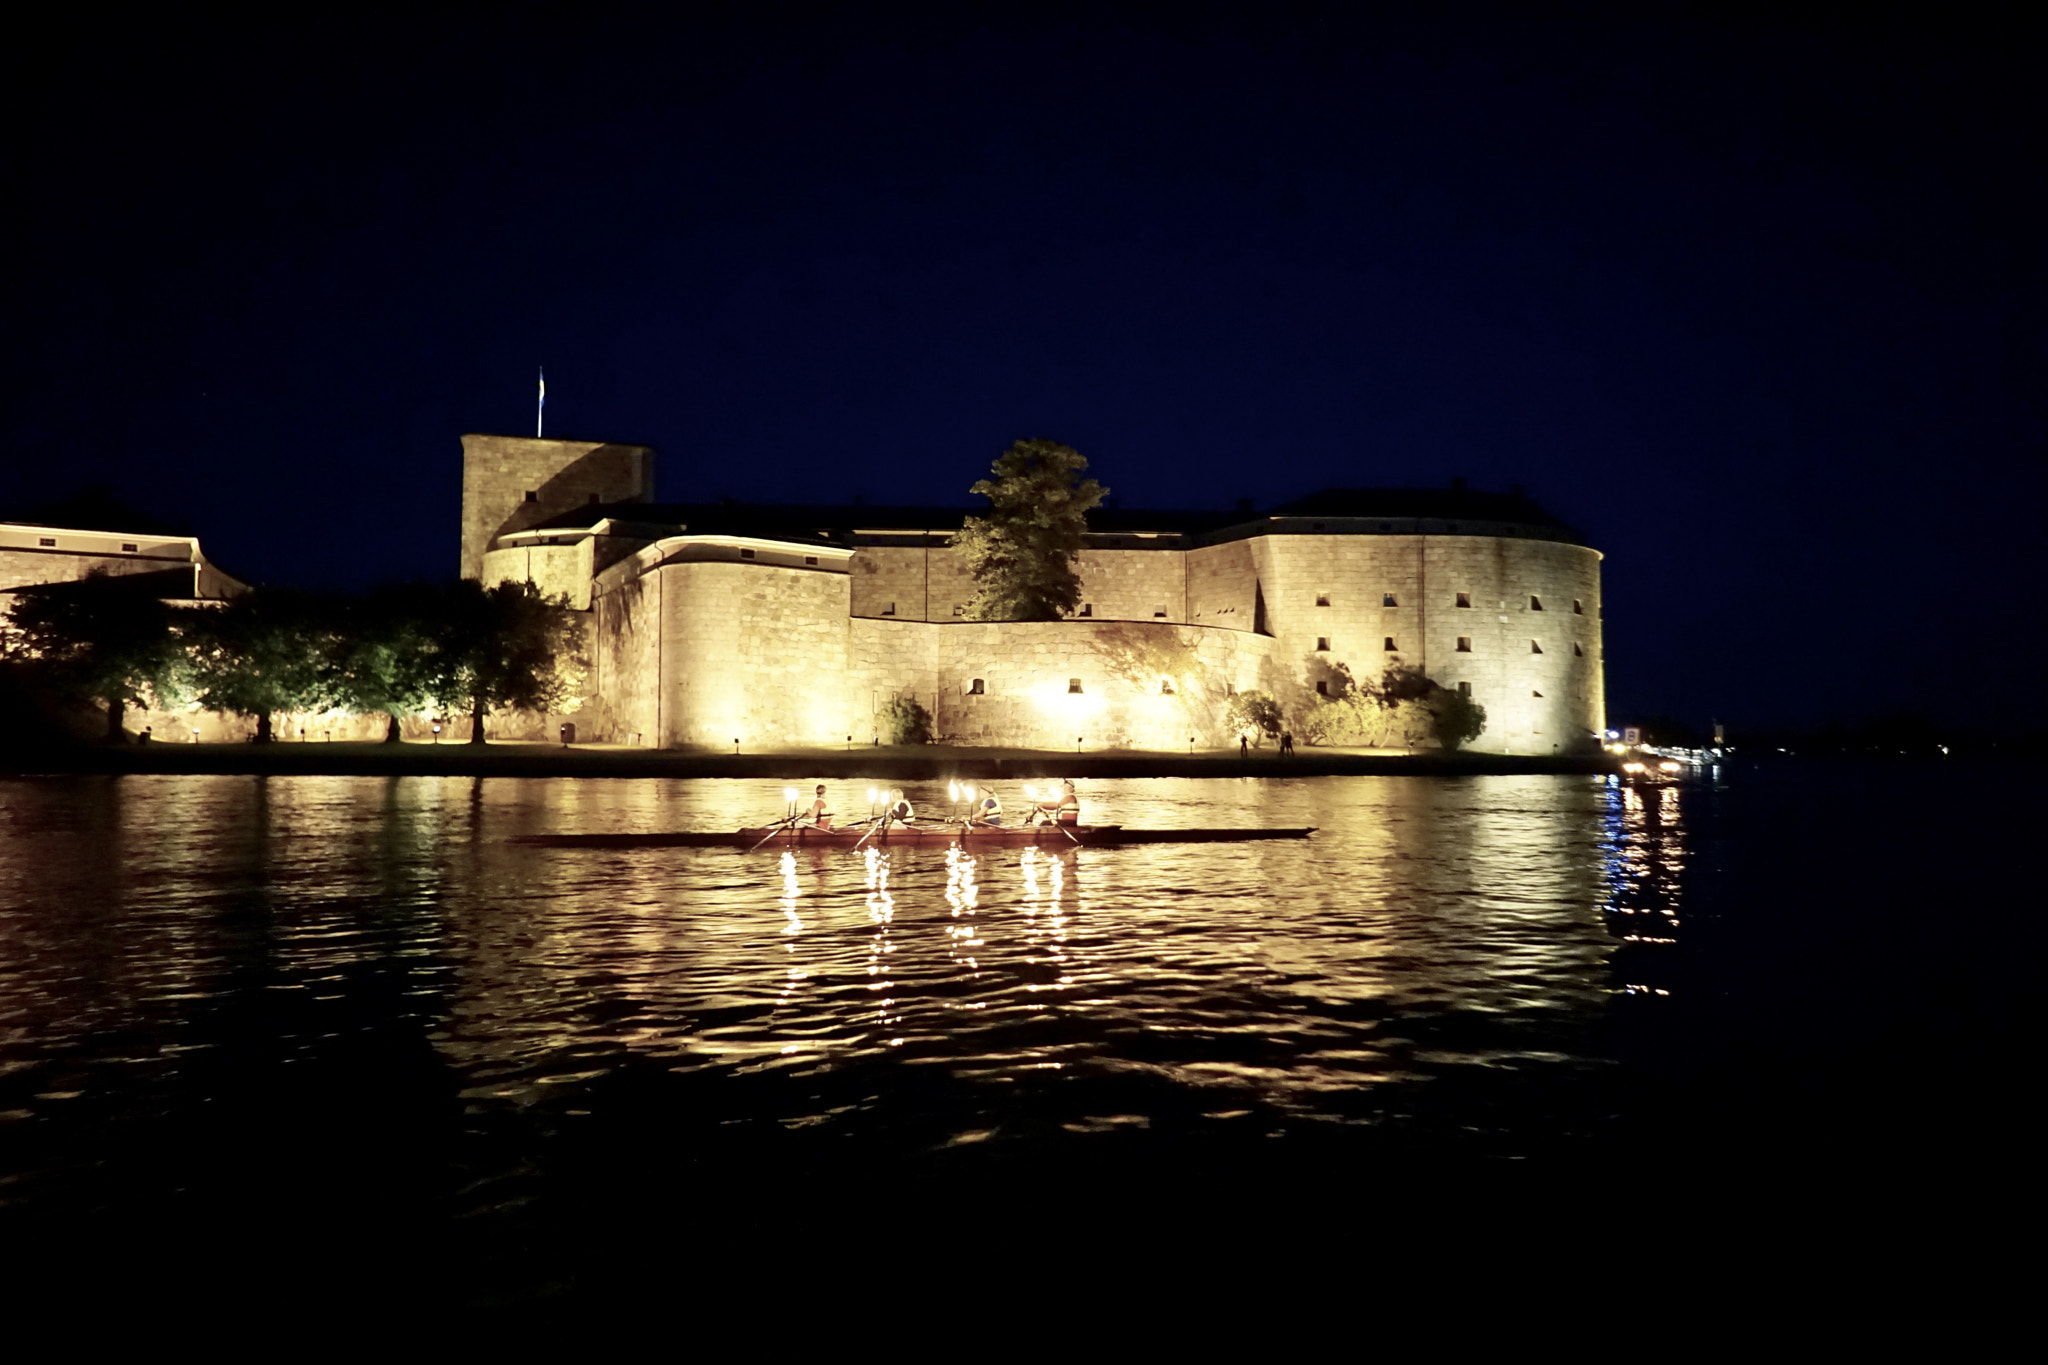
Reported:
(920, 834)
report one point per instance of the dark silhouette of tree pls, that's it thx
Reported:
(509, 645)
(1022, 553)
(104, 640)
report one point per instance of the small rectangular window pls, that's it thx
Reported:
(46, 540)
(959, 609)
(1087, 608)
(1322, 599)
(1577, 653)
(1322, 644)
(746, 554)
(1578, 607)
(1158, 611)
(1073, 685)
(1464, 689)
(810, 559)
(1464, 599)
(1535, 602)
(975, 690)
(1387, 600)
(126, 548)
(1464, 644)
(1535, 647)
(1537, 695)
(1390, 647)
(1230, 689)
(889, 610)
(532, 496)
(1323, 689)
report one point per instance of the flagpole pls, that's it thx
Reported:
(540, 410)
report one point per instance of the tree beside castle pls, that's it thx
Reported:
(1021, 554)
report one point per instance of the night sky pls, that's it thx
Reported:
(1755, 303)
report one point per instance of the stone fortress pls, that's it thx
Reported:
(716, 624)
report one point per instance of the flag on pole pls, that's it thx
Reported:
(541, 411)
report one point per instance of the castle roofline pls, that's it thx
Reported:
(1335, 511)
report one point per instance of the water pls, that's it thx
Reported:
(350, 1007)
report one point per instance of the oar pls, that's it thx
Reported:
(773, 830)
(1053, 820)
(870, 834)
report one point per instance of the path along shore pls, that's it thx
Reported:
(910, 763)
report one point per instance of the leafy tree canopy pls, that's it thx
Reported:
(1021, 554)
(383, 662)
(262, 653)
(1253, 712)
(104, 640)
(508, 645)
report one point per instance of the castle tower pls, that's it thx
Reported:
(512, 482)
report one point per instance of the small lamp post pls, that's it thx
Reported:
(195, 734)
(1191, 746)
(735, 747)
(1077, 743)
(437, 732)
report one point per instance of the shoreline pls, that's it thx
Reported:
(935, 762)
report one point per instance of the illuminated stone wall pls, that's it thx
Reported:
(1027, 671)
(624, 679)
(895, 581)
(559, 570)
(700, 653)
(1118, 584)
(1222, 582)
(498, 472)
(1499, 576)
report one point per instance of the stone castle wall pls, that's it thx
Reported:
(1326, 604)
(931, 583)
(559, 570)
(1141, 684)
(510, 483)
(702, 653)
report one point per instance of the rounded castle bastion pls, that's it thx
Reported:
(779, 626)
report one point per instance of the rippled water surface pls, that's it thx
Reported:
(338, 994)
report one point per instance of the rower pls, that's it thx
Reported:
(819, 816)
(988, 810)
(1067, 808)
(898, 809)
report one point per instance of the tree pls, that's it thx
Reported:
(1022, 553)
(104, 640)
(262, 653)
(1252, 711)
(382, 661)
(1455, 718)
(905, 721)
(508, 645)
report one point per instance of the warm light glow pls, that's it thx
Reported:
(789, 793)
(970, 792)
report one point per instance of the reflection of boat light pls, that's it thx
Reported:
(790, 892)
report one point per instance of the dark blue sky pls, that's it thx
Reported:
(1758, 305)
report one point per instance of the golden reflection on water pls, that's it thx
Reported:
(1297, 973)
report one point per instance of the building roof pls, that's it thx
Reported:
(1367, 511)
